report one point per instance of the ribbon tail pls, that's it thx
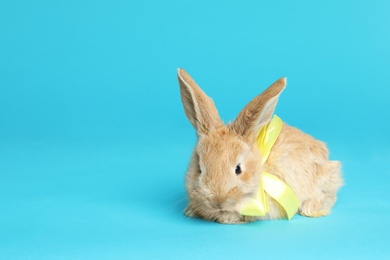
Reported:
(281, 192)
(257, 207)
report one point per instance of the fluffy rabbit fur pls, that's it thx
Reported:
(214, 189)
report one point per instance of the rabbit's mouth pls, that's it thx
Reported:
(225, 206)
(223, 216)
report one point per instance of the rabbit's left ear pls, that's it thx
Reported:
(258, 112)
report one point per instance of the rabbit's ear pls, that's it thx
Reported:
(198, 107)
(258, 112)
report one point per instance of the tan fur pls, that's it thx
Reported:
(217, 193)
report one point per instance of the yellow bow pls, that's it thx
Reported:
(270, 184)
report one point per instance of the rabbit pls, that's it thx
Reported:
(225, 168)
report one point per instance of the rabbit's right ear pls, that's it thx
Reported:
(198, 107)
(259, 111)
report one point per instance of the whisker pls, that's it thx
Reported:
(177, 205)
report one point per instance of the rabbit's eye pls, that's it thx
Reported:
(238, 169)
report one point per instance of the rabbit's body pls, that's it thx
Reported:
(225, 168)
(302, 162)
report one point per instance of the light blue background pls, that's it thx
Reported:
(94, 143)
